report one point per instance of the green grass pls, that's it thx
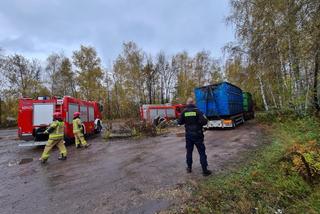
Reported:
(261, 185)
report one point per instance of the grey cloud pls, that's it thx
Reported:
(37, 26)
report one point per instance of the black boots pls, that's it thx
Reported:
(86, 146)
(189, 170)
(78, 146)
(206, 172)
(43, 161)
(62, 157)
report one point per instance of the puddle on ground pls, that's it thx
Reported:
(12, 163)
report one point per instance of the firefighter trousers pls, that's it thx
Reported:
(49, 146)
(79, 139)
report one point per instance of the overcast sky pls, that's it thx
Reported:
(36, 28)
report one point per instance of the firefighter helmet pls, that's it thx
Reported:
(76, 114)
(57, 115)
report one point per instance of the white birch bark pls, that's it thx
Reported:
(262, 93)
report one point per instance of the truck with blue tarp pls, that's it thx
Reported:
(221, 103)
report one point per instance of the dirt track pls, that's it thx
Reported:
(120, 176)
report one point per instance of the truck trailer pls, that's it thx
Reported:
(221, 103)
(248, 106)
(35, 115)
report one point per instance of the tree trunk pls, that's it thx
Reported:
(280, 102)
(315, 82)
(266, 107)
(273, 98)
(161, 91)
(306, 100)
(0, 112)
(150, 91)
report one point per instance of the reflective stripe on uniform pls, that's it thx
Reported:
(190, 114)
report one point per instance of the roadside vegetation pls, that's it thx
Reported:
(280, 177)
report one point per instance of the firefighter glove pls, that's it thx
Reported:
(49, 130)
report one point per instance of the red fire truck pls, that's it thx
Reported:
(167, 111)
(35, 115)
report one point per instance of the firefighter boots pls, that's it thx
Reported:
(86, 145)
(43, 160)
(62, 157)
(206, 172)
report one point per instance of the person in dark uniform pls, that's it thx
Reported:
(194, 120)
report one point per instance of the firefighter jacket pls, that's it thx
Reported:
(77, 125)
(193, 120)
(56, 130)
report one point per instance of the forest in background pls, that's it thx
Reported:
(275, 57)
(135, 78)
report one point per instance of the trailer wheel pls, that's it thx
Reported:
(233, 124)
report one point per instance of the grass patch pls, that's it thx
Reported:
(265, 184)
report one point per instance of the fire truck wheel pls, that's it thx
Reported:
(38, 134)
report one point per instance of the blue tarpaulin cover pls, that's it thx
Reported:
(222, 99)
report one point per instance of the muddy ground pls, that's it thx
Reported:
(118, 176)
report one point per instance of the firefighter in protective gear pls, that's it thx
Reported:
(78, 131)
(56, 138)
(194, 120)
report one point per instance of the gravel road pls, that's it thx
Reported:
(118, 176)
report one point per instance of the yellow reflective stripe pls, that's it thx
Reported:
(55, 136)
(190, 114)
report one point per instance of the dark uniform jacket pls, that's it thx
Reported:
(193, 120)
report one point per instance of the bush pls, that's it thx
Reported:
(304, 159)
(280, 115)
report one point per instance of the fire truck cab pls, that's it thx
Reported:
(35, 115)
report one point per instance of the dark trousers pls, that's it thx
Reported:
(190, 143)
